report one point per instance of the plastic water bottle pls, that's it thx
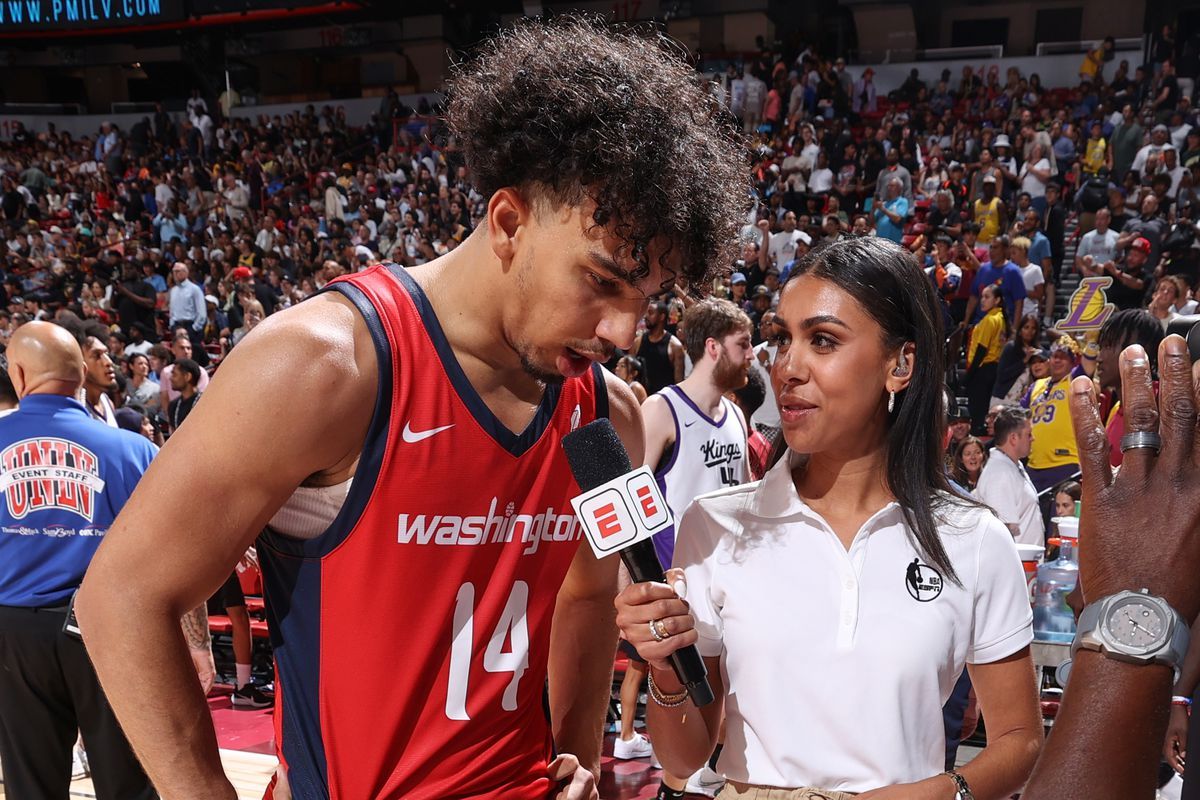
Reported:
(1053, 620)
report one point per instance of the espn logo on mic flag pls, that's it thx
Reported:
(627, 509)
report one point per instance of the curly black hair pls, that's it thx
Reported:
(574, 109)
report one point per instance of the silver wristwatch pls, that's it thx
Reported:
(1135, 627)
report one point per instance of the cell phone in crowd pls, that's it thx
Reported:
(71, 624)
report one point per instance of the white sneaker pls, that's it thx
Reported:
(79, 763)
(706, 782)
(637, 747)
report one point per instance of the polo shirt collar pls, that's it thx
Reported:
(776, 496)
(50, 403)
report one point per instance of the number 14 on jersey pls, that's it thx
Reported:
(511, 626)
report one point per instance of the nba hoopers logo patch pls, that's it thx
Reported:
(46, 473)
(923, 582)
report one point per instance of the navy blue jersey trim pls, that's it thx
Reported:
(516, 444)
(374, 446)
(598, 373)
(292, 589)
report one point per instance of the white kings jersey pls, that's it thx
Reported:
(707, 455)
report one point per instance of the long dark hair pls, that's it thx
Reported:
(1037, 330)
(894, 291)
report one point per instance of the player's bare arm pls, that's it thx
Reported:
(178, 539)
(658, 430)
(584, 636)
(675, 350)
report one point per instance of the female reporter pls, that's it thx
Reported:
(837, 601)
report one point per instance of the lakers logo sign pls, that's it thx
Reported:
(1088, 309)
(40, 474)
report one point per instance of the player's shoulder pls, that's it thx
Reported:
(327, 331)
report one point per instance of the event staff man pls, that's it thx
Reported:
(444, 391)
(1004, 485)
(49, 530)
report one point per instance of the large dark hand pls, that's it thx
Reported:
(1139, 529)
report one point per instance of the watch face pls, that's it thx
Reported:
(1137, 624)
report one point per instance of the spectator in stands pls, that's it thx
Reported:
(1167, 97)
(1034, 175)
(1095, 154)
(1066, 495)
(1093, 63)
(629, 369)
(894, 169)
(1031, 273)
(141, 389)
(185, 377)
(969, 459)
(1125, 144)
(1131, 274)
(186, 308)
(1097, 247)
(1122, 329)
(998, 270)
(1054, 456)
(932, 176)
(253, 315)
(1164, 299)
(988, 210)
(181, 348)
(1159, 141)
(983, 354)
(863, 100)
(1148, 225)
(891, 212)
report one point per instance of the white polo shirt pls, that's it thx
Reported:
(837, 663)
(1005, 487)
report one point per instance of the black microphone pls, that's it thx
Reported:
(596, 456)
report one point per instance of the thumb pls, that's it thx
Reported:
(562, 767)
(677, 580)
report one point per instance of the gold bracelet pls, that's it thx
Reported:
(664, 700)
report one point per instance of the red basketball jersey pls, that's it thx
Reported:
(411, 638)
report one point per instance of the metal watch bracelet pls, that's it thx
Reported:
(964, 791)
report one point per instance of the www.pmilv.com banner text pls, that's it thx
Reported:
(64, 15)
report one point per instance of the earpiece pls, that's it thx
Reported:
(902, 368)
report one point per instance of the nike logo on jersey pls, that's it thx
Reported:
(689, 424)
(412, 437)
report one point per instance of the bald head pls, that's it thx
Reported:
(44, 359)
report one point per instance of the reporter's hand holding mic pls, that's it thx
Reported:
(652, 615)
(655, 619)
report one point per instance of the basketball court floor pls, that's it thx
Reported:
(246, 741)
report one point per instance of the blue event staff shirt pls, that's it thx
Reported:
(65, 477)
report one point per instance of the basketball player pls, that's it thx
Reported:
(660, 352)
(423, 572)
(696, 441)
